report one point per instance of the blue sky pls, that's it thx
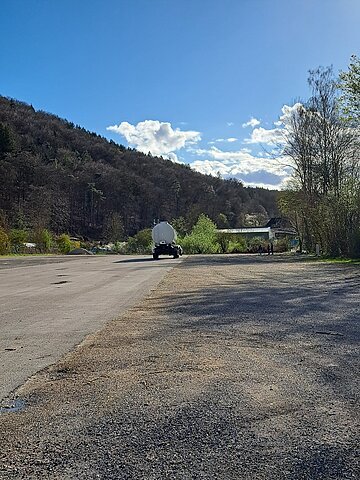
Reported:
(177, 77)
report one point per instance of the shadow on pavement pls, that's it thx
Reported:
(136, 260)
(319, 299)
(142, 260)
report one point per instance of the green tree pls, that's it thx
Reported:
(223, 240)
(3, 220)
(203, 237)
(4, 242)
(350, 91)
(114, 227)
(323, 148)
(222, 221)
(17, 238)
(291, 205)
(141, 242)
(64, 243)
(237, 246)
(43, 240)
(180, 226)
(7, 142)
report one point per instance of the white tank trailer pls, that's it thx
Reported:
(164, 238)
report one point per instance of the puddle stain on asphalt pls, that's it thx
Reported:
(13, 406)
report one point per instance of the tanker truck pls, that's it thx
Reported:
(164, 238)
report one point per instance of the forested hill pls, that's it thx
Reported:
(59, 176)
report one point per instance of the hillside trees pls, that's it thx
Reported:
(323, 147)
(4, 242)
(7, 143)
(60, 177)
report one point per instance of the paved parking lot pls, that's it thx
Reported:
(49, 304)
(234, 367)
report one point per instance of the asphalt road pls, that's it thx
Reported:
(234, 368)
(49, 304)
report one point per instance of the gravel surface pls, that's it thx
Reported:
(234, 367)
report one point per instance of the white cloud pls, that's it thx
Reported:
(268, 186)
(210, 167)
(173, 157)
(156, 137)
(229, 124)
(269, 137)
(253, 122)
(267, 169)
(198, 151)
(235, 164)
(275, 136)
(251, 172)
(288, 113)
(229, 140)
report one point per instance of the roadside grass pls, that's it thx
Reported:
(15, 255)
(53, 254)
(339, 260)
(353, 261)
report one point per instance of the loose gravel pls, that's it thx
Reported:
(234, 367)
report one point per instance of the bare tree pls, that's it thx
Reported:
(324, 153)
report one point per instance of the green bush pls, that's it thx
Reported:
(43, 240)
(85, 244)
(255, 242)
(120, 247)
(282, 245)
(140, 243)
(223, 240)
(17, 238)
(75, 244)
(237, 246)
(203, 237)
(64, 243)
(229, 243)
(4, 242)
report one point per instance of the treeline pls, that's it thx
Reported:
(322, 142)
(204, 238)
(57, 176)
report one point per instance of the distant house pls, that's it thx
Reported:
(281, 226)
(249, 232)
(275, 228)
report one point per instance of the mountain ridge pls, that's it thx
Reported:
(57, 175)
